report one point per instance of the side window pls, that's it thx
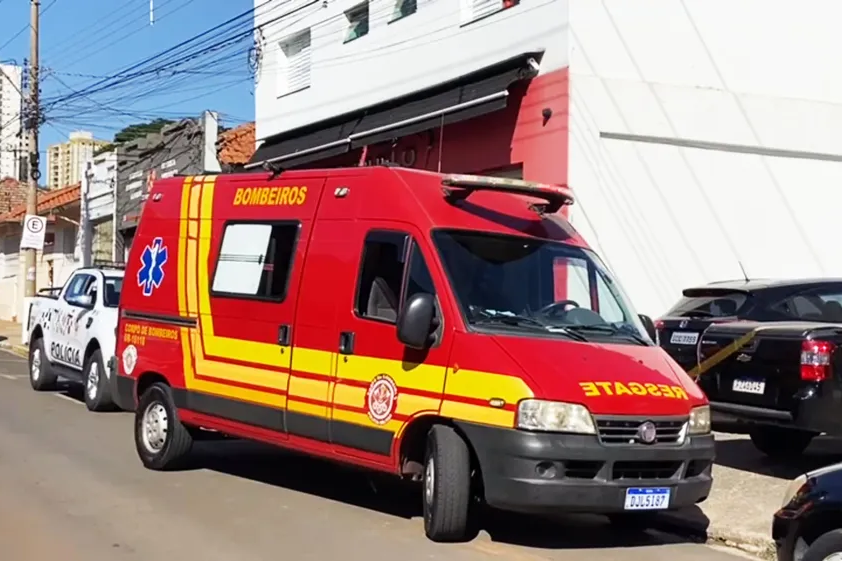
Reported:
(381, 276)
(419, 279)
(78, 286)
(255, 260)
(812, 306)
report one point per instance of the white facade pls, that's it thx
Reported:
(100, 196)
(10, 120)
(704, 136)
(312, 69)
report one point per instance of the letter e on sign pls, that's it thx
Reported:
(34, 229)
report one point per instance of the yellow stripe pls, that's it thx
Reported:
(722, 354)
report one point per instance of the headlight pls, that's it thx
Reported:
(700, 420)
(554, 416)
(793, 488)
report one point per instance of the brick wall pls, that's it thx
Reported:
(12, 194)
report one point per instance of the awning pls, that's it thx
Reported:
(469, 96)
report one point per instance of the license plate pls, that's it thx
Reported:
(757, 387)
(647, 498)
(684, 338)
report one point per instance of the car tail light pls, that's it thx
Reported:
(815, 360)
(659, 324)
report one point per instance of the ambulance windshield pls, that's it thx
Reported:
(527, 283)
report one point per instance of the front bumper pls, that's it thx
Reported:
(534, 472)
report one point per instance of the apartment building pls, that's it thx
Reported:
(699, 146)
(66, 161)
(11, 147)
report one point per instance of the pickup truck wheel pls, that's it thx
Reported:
(162, 441)
(97, 392)
(41, 375)
(827, 547)
(780, 443)
(447, 486)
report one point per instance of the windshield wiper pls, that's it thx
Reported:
(525, 321)
(610, 329)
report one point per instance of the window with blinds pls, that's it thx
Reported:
(296, 52)
(478, 9)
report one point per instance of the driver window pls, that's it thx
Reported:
(572, 282)
(77, 287)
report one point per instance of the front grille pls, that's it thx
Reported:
(645, 470)
(618, 431)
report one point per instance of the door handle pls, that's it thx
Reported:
(284, 335)
(346, 343)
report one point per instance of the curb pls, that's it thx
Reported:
(20, 350)
(759, 545)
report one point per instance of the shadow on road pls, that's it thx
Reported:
(388, 495)
(739, 453)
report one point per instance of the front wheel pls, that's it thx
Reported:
(447, 486)
(780, 443)
(42, 378)
(828, 546)
(162, 441)
(97, 391)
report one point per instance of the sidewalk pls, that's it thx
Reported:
(10, 338)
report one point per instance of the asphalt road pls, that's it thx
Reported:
(71, 487)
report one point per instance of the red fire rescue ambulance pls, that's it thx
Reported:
(451, 329)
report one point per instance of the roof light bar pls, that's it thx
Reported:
(460, 187)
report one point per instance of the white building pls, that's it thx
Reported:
(10, 121)
(698, 145)
(98, 189)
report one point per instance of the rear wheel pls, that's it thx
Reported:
(447, 486)
(41, 375)
(780, 443)
(162, 441)
(828, 547)
(97, 391)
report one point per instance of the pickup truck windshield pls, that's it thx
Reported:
(113, 287)
(527, 283)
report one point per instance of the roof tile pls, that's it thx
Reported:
(47, 201)
(236, 146)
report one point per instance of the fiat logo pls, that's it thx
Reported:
(647, 433)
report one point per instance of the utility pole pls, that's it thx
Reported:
(33, 122)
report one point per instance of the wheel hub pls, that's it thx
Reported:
(154, 427)
(93, 381)
(35, 369)
(834, 557)
(430, 481)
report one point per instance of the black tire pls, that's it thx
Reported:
(447, 495)
(101, 399)
(42, 378)
(169, 449)
(780, 443)
(824, 546)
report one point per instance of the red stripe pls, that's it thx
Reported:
(313, 376)
(241, 385)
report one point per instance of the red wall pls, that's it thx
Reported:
(518, 135)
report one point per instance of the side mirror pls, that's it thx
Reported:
(84, 301)
(417, 322)
(650, 327)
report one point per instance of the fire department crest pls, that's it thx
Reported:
(381, 399)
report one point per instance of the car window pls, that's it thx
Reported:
(113, 288)
(255, 260)
(78, 286)
(381, 275)
(718, 304)
(812, 305)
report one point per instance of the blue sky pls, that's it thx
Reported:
(85, 40)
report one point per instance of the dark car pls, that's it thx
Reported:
(808, 527)
(761, 300)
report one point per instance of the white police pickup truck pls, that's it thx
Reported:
(72, 334)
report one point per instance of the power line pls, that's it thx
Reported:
(25, 27)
